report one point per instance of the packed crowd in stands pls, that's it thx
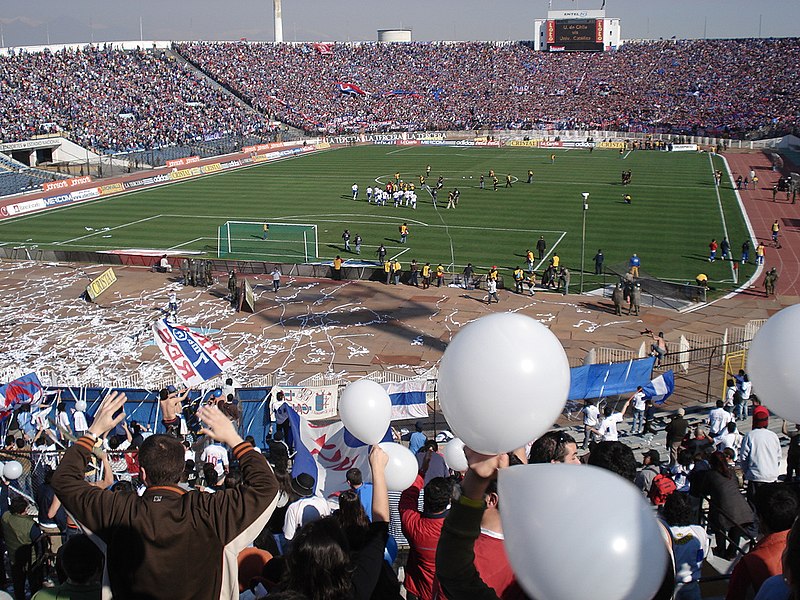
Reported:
(116, 100)
(202, 501)
(700, 87)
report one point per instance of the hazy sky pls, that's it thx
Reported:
(30, 22)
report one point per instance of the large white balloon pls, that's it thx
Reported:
(12, 470)
(587, 520)
(772, 364)
(454, 455)
(402, 469)
(503, 381)
(366, 410)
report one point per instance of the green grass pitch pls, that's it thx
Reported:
(676, 209)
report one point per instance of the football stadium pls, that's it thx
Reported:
(290, 318)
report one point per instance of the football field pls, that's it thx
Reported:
(675, 210)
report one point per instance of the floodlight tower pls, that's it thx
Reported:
(583, 233)
(278, 20)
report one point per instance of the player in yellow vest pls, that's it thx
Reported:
(493, 273)
(266, 230)
(555, 260)
(529, 260)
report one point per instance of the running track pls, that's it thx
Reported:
(762, 212)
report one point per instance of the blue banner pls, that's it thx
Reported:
(596, 381)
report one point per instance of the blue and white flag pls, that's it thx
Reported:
(660, 388)
(326, 452)
(409, 399)
(194, 357)
(25, 390)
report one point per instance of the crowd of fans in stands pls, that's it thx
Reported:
(123, 100)
(167, 489)
(693, 86)
(116, 100)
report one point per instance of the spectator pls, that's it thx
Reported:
(437, 467)
(554, 447)
(20, 534)
(651, 466)
(174, 528)
(760, 454)
(363, 490)
(676, 430)
(418, 438)
(776, 508)
(307, 508)
(318, 564)
(690, 544)
(729, 514)
(82, 564)
(422, 530)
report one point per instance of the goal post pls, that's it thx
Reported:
(264, 240)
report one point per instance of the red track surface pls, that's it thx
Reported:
(762, 212)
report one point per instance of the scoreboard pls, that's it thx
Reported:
(575, 34)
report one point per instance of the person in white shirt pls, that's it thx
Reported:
(590, 414)
(607, 430)
(308, 508)
(369, 194)
(355, 191)
(730, 438)
(217, 456)
(639, 405)
(760, 455)
(730, 395)
(745, 389)
(276, 278)
(79, 418)
(718, 419)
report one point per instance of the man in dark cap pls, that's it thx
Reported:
(651, 466)
(309, 507)
(418, 438)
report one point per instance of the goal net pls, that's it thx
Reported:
(278, 242)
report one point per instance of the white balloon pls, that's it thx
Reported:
(454, 455)
(366, 410)
(503, 381)
(401, 471)
(12, 470)
(771, 363)
(585, 517)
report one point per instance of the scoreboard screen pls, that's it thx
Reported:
(575, 34)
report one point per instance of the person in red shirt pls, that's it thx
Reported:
(776, 507)
(491, 560)
(712, 251)
(422, 530)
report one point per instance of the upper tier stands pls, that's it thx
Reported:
(699, 86)
(121, 101)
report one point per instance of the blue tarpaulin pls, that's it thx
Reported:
(596, 381)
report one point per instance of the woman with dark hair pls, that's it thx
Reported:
(355, 524)
(729, 515)
(321, 563)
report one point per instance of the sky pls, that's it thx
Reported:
(33, 22)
